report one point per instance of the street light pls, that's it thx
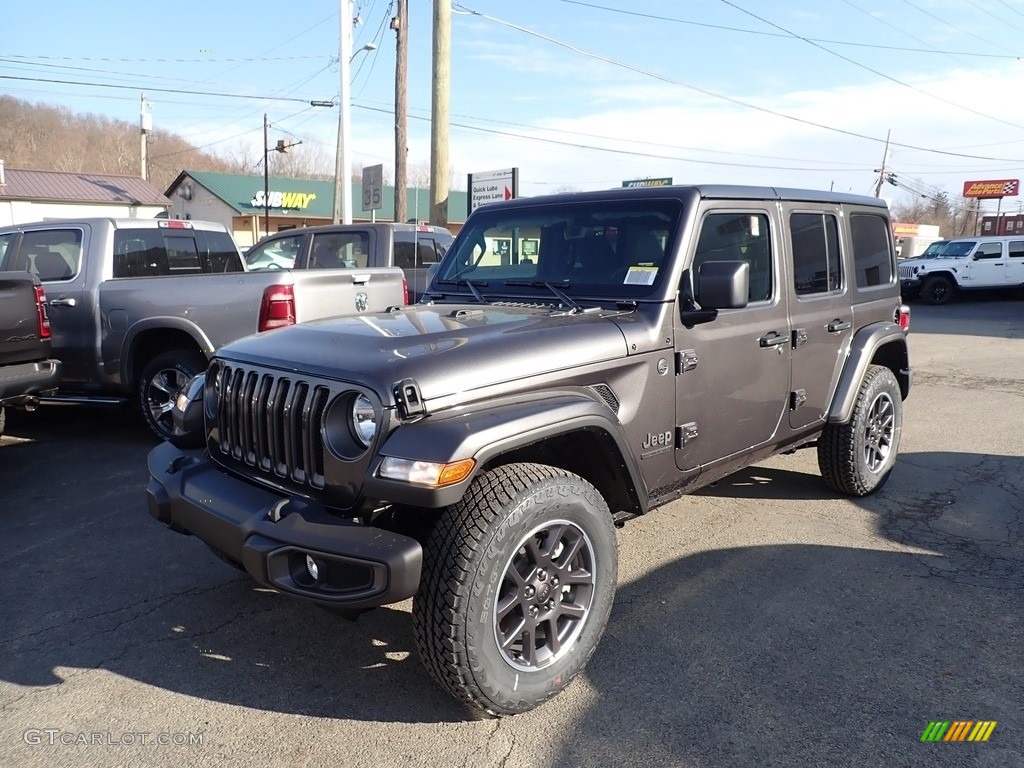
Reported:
(343, 165)
(282, 146)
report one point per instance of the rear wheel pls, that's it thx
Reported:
(518, 582)
(857, 458)
(937, 289)
(161, 380)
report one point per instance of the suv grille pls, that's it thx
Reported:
(906, 272)
(272, 423)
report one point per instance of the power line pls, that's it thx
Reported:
(954, 26)
(229, 138)
(156, 61)
(156, 89)
(989, 13)
(874, 71)
(763, 33)
(615, 151)
(1007, 5)
(901, 31)
(281, 44)
(730, 99)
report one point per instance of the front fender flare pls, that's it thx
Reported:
(488, 431)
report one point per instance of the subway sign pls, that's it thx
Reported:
(296, 200)
(665, 182)
(996, 188)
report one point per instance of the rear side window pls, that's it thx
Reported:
(421, 253)
(739, 237)
(51, 254)
(221, 253)
(340, 250)
(152, 253)
(1016, 249)
(6, 241)
(816, 258)
(873, 256)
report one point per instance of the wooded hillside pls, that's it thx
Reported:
(49, 138)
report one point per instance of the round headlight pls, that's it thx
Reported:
(364, 421)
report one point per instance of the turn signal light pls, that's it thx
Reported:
(903, 317)
(431, 474)
(43, 319)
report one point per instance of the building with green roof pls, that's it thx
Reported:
(236, 201)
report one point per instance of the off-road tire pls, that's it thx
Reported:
(179, 365)
(937, 289)
(842, 448)
(468, 558)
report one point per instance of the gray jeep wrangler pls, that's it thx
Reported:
(576, 361)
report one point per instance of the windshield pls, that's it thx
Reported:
(602, 249)
(947, 249)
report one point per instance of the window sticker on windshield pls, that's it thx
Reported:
(641, 275)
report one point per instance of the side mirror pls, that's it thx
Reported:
(723, 284)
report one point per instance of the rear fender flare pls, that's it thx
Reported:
(129, 347)
(885, 340)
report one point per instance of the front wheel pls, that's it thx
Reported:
(518, 582)
(937, 289)
(161, 380)
(856, 458)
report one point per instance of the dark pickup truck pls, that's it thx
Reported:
(25, 368)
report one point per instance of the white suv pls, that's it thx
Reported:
(965, 263)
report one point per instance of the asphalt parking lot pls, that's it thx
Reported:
(764, 621)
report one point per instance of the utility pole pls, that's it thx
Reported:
(266, 180)
(439, 113)
(885, 159)
(400, 23)
(343, 164)
(145, 126)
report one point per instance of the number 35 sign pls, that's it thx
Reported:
(373, 188)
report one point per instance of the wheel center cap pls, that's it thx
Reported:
(543, 590)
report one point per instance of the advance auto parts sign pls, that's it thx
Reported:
(298, 200)
(997, 188)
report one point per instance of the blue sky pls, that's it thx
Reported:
(731, 91)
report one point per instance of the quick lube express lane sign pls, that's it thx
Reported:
(492, 187)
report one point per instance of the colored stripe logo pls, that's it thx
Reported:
(958, 730)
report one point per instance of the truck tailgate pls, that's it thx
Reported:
(19, 323)
(333, 292)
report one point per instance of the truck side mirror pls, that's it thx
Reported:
(723, 284)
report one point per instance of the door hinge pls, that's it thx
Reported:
(686, 433)
(409, 399)
(799, 337)
(686, 360)
(796, 399)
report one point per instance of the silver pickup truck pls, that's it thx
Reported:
(137, 306)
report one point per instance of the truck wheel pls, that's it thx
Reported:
(159, 384)
(518, 581)
(937, 289)
(857, 458)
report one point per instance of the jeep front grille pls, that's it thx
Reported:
(272, 423)
(906, 272)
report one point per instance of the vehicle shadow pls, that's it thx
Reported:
(797, 654)
(782, 654)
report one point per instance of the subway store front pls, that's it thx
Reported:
(237, 201)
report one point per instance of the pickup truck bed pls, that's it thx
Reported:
(138, 306)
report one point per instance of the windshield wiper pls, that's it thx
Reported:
(471, 284)
(563, 297)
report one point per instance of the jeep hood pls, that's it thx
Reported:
(445, 348)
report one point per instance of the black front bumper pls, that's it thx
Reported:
(910, 285)
(271, 535)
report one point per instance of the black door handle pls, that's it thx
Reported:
(773, 340)
(838, 326)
